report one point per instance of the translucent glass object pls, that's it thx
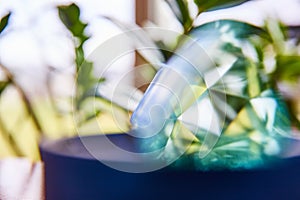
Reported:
(210, 106)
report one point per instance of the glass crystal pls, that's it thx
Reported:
(219, 110)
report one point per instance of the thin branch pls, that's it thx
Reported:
(25, 98)
(9, 138)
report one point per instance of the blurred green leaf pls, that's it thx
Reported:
(238, 29)
(276, 33)
(90, 116)
(166, 50)
(259, 51)
(254, 82)
(85, 76)
(86, 82)
(181, 11)
(230, 48)
(4, 21)
(3, 85)
(204, 5)
(79, 59)
(288, 68)
(70, 16)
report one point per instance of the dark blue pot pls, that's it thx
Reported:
(72, 173)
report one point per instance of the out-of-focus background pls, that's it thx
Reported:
(36, 40)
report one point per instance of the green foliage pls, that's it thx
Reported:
(256, 117)
(204, 5)
(238, 29)
(86, 82)
(70, 16)
(3, 85)
(238, 143)
(181, 11)
(288, 68)
(4, 22)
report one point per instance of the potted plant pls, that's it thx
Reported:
(234, 149)
(78, 167)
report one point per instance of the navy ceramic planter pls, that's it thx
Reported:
(72, 173)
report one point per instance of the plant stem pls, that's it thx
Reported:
(9, 139)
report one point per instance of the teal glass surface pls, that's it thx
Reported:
(210, 106)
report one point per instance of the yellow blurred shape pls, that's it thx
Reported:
(240, 124)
